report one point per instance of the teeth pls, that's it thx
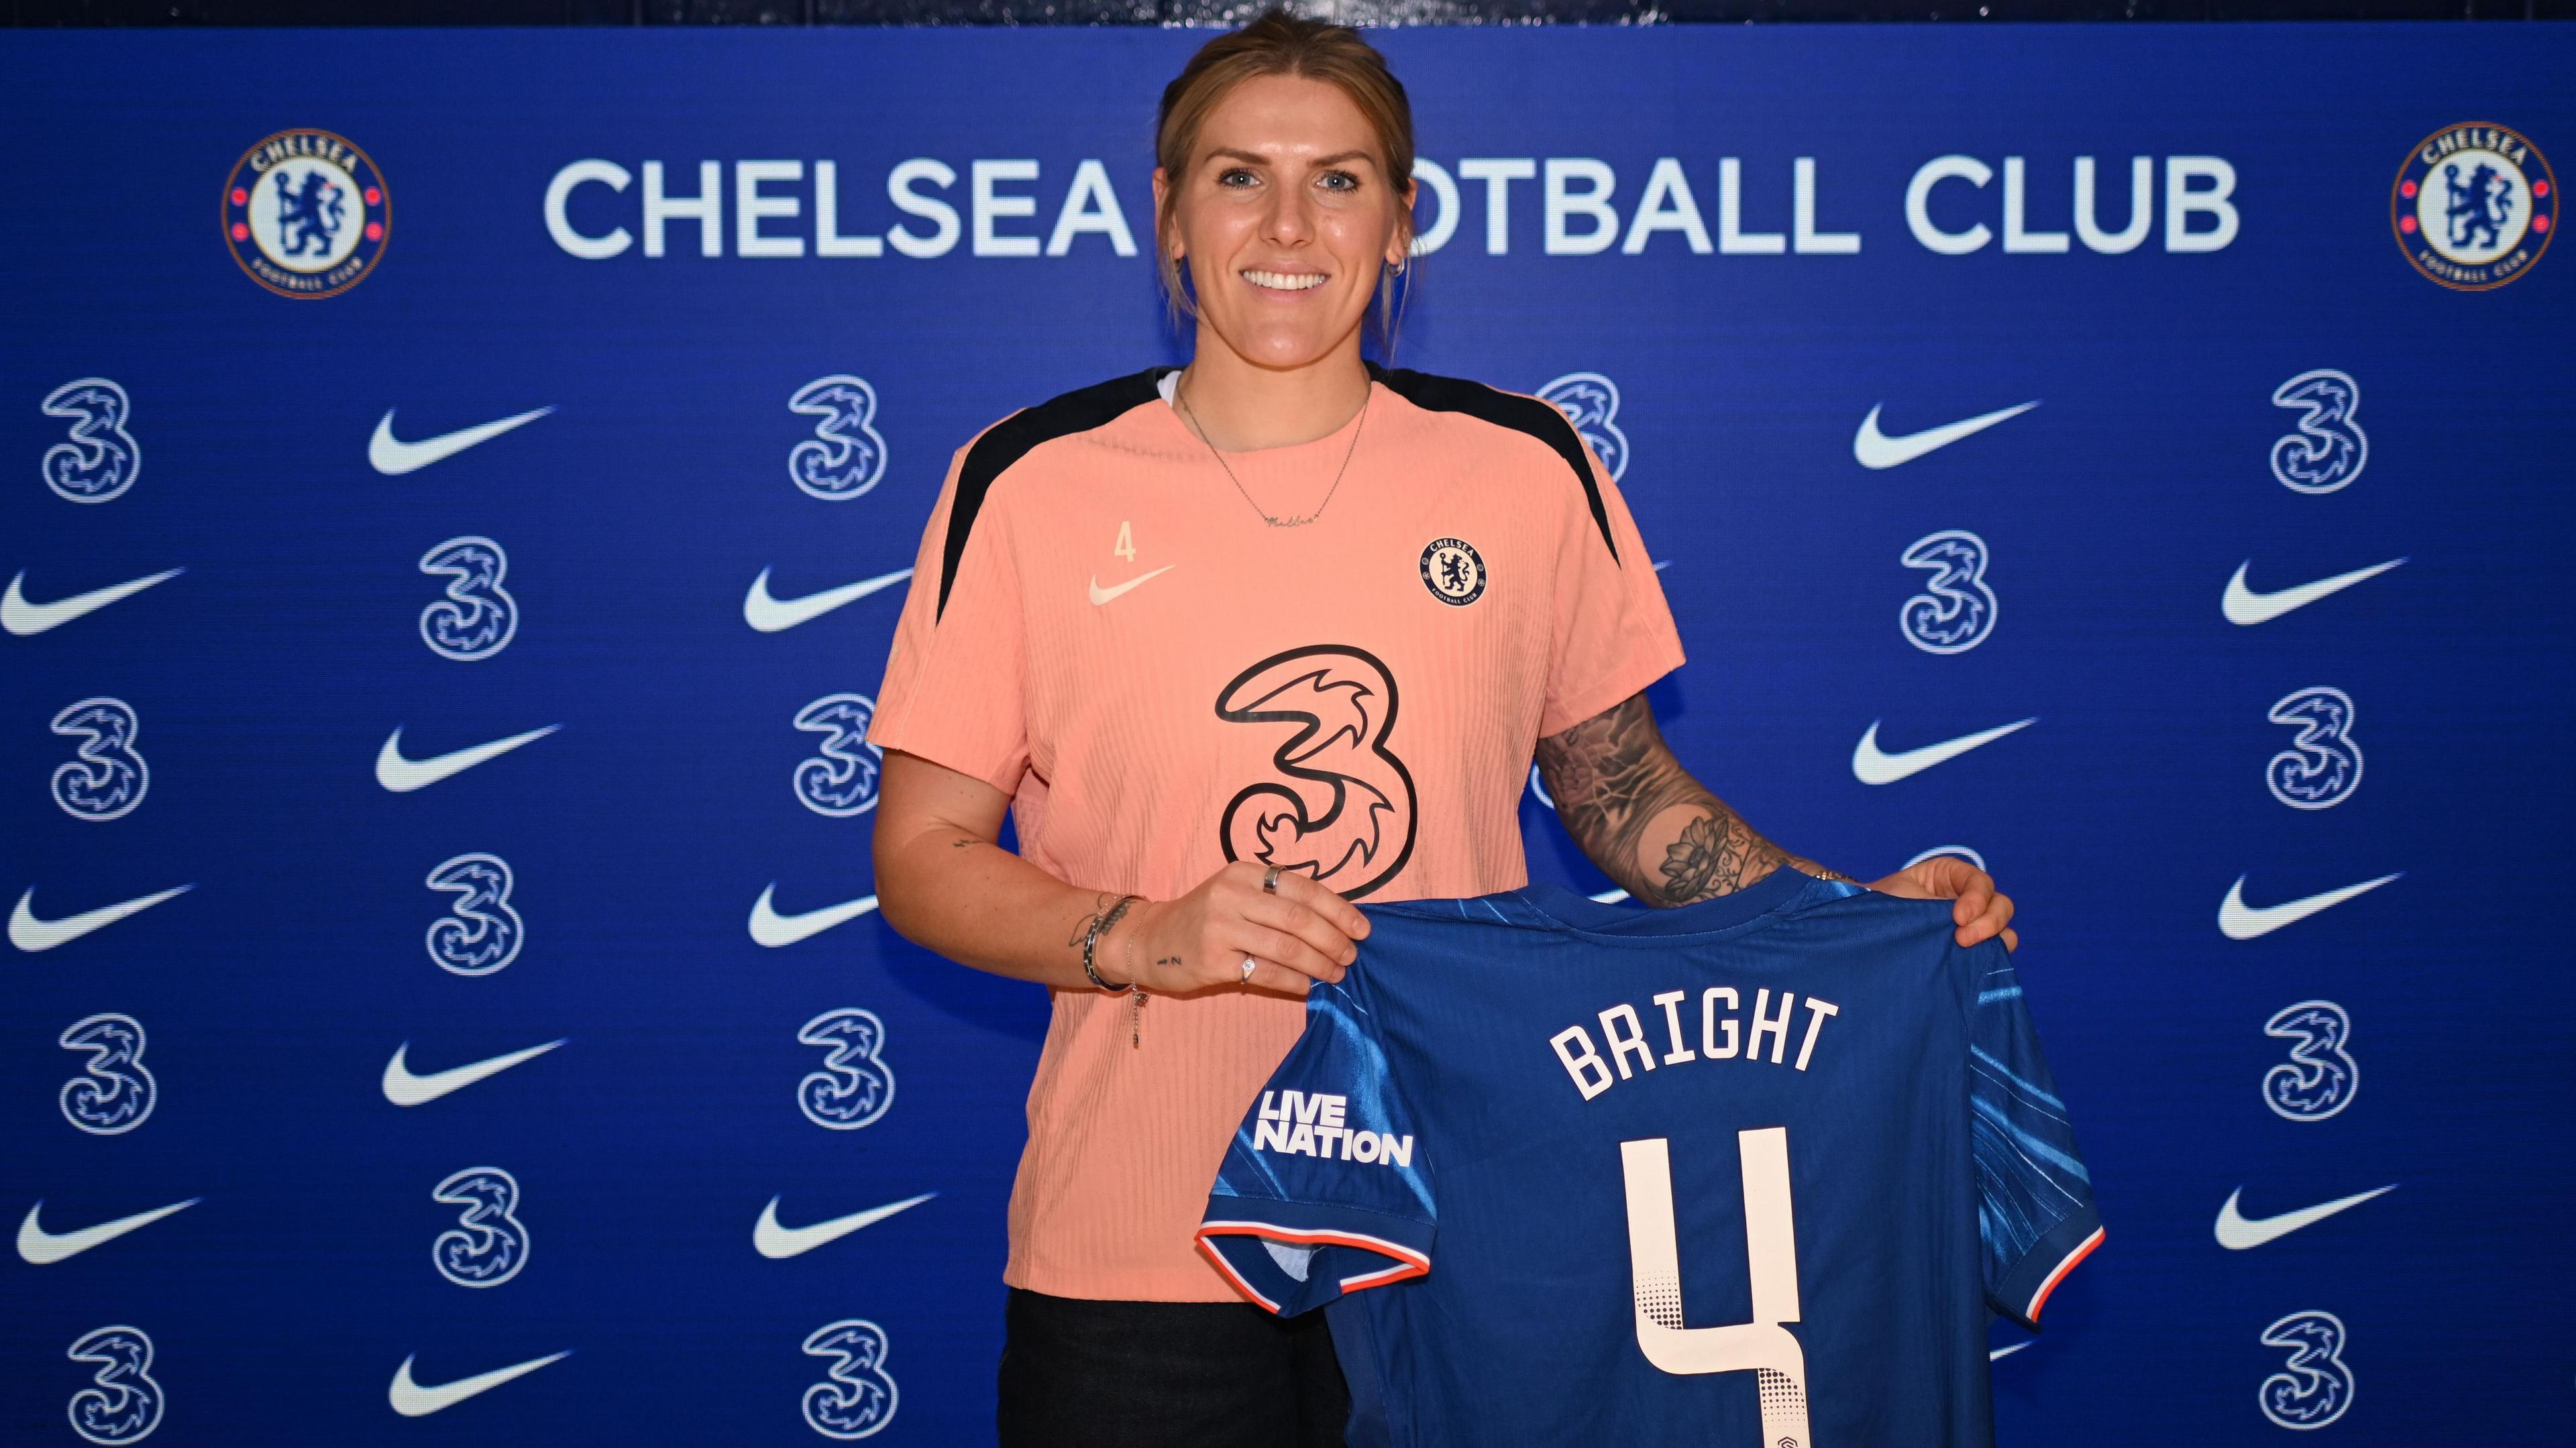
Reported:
(1283, 281)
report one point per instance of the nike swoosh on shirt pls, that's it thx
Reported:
(402, 775)
(393, 457)
(2240, 921)
(2007, 1350)
(1103, 595)
(769, 615)
(40, 1248)
(414, 1400)
(402, 1088)
(22, 618)
(1875, 450)
(31, 934)
(1873, 765)
(779, 1243)
(772, 929)
(2244, 606)
(2236, 1233)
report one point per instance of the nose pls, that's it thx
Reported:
(1288, 221)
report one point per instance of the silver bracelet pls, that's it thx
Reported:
(1091, 937)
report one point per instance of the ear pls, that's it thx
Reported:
(1400, 247)
(1162, 200)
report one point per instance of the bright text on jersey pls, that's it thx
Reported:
(1721, 1036)
(1310, 1123)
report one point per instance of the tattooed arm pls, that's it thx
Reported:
(1642, 818)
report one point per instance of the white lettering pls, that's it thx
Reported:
(1301, 1141)
(1269, 1135)
(1428, 175)
(1708, 1022)
(1271, 1110)
(1091, 206)
(1498, 174)
(2142, 207)
(749, 206)
(1671, 1001)
(1564, 203)
(1732, 238)
(1802, 220)
(2183, 201)
(828, 240)
(1816, 1012)
(1365, 1146)
(1325, 1136)
(2016, 200)
(1918, 207)
(899, 184)
(1623, 1042)
(1777, 1030)
(1398, 1152)
(991, 206)
(1331, 1115)
(559, 221)
(1667, 206)
(1591, 1075)
(706, 208)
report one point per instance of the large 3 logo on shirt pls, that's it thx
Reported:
(1343, 809)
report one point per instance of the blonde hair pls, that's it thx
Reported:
(1280, 43)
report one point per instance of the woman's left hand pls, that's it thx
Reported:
(1977, 906)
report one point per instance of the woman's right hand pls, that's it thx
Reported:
(1300, 935)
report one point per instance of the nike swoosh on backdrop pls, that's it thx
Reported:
(405, 775)
(40, 1248)
(1103, 595)
(769, 615)
(779, 1243)
(1875, 450)
(413, 1400)
(2236, 1233)
(772, 929)
(393, 457)
(31, 934)
(22, 618)
(1872, 765)
(2244, 606)
(402, 1088)
(2240, 921)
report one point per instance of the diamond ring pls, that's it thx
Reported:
(1247, 970)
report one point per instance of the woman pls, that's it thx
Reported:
(1237, 644)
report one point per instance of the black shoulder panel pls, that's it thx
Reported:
(1012, 439)
(1503, 409)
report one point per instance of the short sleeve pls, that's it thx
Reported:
(1613, 631)
(1324, 1190)
(2034, 1198)
(956, 674)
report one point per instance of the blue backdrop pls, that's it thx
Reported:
(1787, 261)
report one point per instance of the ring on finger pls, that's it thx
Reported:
(1270, 880)
(1247, 970)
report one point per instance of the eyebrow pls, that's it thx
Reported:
(1332, 160)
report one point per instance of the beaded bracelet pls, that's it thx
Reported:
(1099, 927)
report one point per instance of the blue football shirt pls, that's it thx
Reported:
(1751, 1171)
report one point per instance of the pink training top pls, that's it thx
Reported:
(1100, 626)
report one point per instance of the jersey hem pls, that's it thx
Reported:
(1353, 1250)
(2025, 1289)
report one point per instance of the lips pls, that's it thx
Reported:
(1279, 281)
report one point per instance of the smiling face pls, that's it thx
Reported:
(1284, 220)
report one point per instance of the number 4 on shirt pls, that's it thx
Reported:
(1762, 1346)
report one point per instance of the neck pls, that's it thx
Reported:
(1242, 406)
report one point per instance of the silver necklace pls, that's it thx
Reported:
(1178, 395)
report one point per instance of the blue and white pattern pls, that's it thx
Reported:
(860, 1397)
(99, 460)
(855, 1087)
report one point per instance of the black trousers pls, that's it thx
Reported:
(1077, 1373)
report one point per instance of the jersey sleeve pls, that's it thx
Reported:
(1613, 630)
(1324, 1190)
(2034, 1197)
(955, 676)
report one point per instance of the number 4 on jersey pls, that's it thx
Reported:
(1761, 1346)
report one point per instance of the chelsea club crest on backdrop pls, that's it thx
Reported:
(2474, 206)
(306, 213)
